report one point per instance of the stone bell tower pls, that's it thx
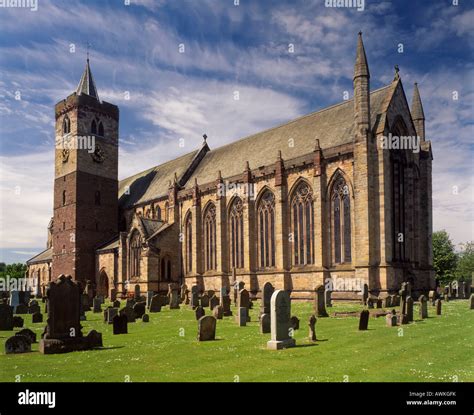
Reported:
(85, 179)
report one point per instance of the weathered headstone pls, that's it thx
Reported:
(205, 300)
(438, 307)
(174, 299)
(213, 302)
(63, 331)
(31, 335)
(116, 304)
(432, 297)
(145, 318)
(295, 323)
(226, 306)
(120, 324)
(139, 309)
(96, 305)
(17, 344)
(379, 303)
(130, 302)
(391, 319)
(194, 300)
(86, 305)
(199, 312)
(149, 296)
(242, 317)
(423, 307)
(34, 308)
(471, 301)
(155, 304)
(110, 314)
(243, 301)
(137, 293)
(312, 328)
(6, 317)
(319, 307)
(129, 313)
(218, 312)
(364, 319)
(21, 309)
(37, 318)
(280, 308)
(409, 308)
(265, 324)
(206, 328)
(328, 298)
(18, 322)
(267, 292)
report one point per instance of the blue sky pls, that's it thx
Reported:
(135, 53)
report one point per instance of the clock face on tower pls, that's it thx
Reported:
(98, 155)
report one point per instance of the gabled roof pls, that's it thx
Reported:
(87, 84)
(112, 244)
(151, 226)
(45, 256)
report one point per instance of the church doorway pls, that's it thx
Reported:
(103, 286)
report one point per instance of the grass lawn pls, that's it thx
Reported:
(439, 349)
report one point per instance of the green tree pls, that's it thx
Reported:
(465, 264)
(13, 270)
(444, 257)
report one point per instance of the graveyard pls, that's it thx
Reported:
(166, 349)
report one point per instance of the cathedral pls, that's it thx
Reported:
(316, 201)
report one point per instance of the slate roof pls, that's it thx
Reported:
(333, 126)
(113, 244)
(87, 84)
(45, 256)
(154, 182)
(151, 226)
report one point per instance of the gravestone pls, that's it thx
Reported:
(6, 316)
(364, 320)
(136, 292)
(280, 308)
(295, 323)
(63, 331)
(21, 309)
(370, 302)
(379, 303)
(238, 286)
(206, 328)
(182, 293)
(402, 319)
(423, 307)
(94, 339)
(116, 304)
(365, 294)
(267, 292)
(265, 325)
(387, 302)
(218, 312)
(211, 293)
(89, 290)
(18, 321)
(130, 302)
(226, 305)
(409, 308)
(129, 313)
(174, 299)
(120, 324)
(462, 290)
(96, 305)
(155, 304)
(101, 298)
(139, 309)
(149, 296)
(438, 307)
(86, 305)
(17, 344)
(213, 302)
(145, 318)
(243, 301)
(432, 297)
(199, 312)
(27, 333)
(241, 317)
(312, 328)
(319, 307)
(34, 308)
(205, 300)
(110, 314)
(471, 300)
(37, 318)
(113, 294)
(327, 298)
(194, 301)
(391, 319)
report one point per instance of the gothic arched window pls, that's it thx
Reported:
(135, 248)
(94, 127)
(210, 255)
(166, 211)
(66, 125)
(266, 230)
(341, 221)
(236, 226)
(302, 225)
(188, 232)
(158, 212)
(101, 129)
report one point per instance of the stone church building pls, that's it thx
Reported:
(316, 200)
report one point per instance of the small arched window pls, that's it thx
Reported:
(97, 198)
(135, 248)
(66, 125)
(93, 127)
(158, 212)
(101, 129)
(64, 197)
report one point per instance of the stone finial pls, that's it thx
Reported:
(361, 67)
(417, 112)
(316, 145)
(397, 73)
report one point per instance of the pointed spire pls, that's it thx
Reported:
(417, 112)
(87, 85)
(361, 67)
